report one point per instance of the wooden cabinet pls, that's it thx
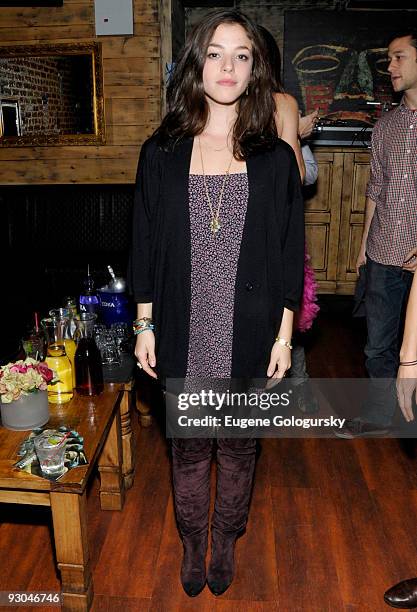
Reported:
(334, 214)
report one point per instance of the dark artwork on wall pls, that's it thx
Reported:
(337, 61)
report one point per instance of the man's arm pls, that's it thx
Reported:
(312, 169)
(373, 189)
(369, 213)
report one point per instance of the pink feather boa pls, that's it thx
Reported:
(308, 309)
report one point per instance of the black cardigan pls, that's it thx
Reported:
(271, 260)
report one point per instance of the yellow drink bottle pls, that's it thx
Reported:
(70, 348)
(57, 360)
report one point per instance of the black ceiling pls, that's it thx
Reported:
(30, 3)
(207, 3)
(381, 4)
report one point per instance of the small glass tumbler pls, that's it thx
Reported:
(50, 450)
(121, 336)
(109, 352)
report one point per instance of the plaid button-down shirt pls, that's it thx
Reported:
(393, 187)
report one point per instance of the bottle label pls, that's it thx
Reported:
(91, 308)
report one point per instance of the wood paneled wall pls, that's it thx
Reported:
(132, 92)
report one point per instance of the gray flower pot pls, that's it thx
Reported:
(26, 413)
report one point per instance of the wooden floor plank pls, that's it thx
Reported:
(307, 579)
(397, 510)
(26, 552)
(105, 603)
(314, 463)
(359, 540)
(241, 605)
(399, 466)
(139, 527)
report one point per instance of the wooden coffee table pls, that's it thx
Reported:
(98, 420)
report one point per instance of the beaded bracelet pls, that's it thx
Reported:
(139, 331)
(142, 324)
(142, 321)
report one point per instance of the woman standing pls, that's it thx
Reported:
(407, 372)
(217, 263)
(290, 126)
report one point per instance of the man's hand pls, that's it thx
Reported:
(361, 260)
(410, 260)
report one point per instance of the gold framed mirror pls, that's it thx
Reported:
(51, 94)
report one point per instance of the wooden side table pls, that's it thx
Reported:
(129, 404)
(98, 420)
(125, 378)
(128, 400)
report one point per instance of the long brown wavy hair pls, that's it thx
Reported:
(254, 129)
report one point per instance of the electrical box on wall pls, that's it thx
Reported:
(113, 17)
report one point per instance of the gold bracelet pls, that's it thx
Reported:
(283, 342)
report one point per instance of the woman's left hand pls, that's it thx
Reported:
(279, 362)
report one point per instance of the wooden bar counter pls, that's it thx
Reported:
(98, 420)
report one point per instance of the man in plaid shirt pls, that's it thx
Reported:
(389, 239)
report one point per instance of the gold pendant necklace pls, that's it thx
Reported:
(215, 224)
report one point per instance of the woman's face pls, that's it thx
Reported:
(228, 64)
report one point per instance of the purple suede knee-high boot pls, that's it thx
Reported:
(191, 460)
(235, 468)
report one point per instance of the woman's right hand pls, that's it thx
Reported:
(406, 389)
(145, 352)
(307, 124)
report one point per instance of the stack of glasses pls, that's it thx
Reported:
(113, 342)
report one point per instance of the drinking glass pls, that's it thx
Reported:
(50, 450)
(121, 336)
(109, 352)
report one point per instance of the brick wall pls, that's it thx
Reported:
(47, 90)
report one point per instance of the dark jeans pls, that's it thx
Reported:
(387, 289)
(191, 459)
